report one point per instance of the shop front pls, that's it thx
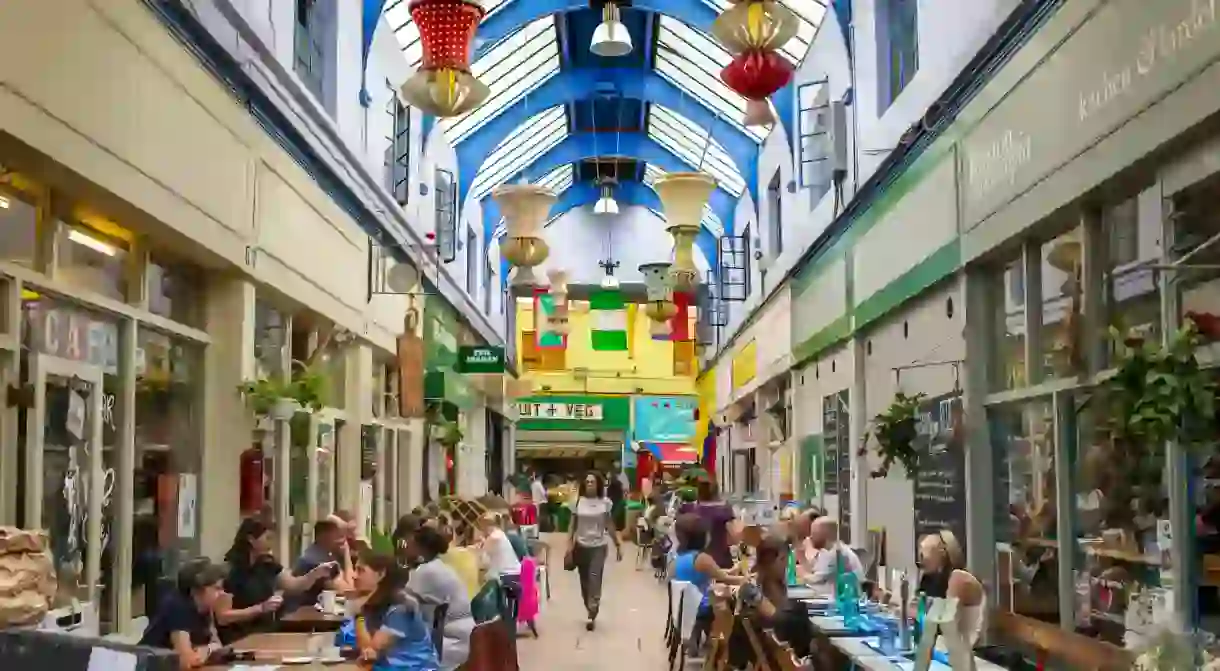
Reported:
(1090, 231)
(563, 437)
(453, 457)
(664, 430)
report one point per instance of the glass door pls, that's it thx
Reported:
(68, 484)
(322, 434)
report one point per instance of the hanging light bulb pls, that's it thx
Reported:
(606, 204)
(609, 281)
(611, 38)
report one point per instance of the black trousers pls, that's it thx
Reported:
(590, 565)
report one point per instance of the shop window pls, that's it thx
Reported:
(1061, 338)
(91, 259)
(314, 48)
(270, 340)
(1023, 439)
(167, 461)
(1131, 297)
(1197, 220)
(18, 228)
(175, 290)
(1009, 327)
(897, 34)
(1120, 495)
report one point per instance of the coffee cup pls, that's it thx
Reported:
(327, 600)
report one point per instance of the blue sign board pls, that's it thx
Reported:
(665, 419)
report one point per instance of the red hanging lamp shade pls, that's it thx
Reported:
(443, 85)
(757, 75)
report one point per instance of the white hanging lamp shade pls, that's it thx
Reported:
(611, 38)
(525, 208)
(606, 204)
(683, 196)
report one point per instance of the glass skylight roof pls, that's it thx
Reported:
(407, 33)
(512, 68)
(529, 141)
(810, 13)
(710, 221)
(688, 141)
(692, 61)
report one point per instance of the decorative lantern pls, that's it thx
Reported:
(757, 75)
(525, 208)
(757, 25)
(443, 85)
(683, 196)
(659, 285)
(557, 321)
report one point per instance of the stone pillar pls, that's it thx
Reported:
(411, 465)
(357, 392)
(228, 426)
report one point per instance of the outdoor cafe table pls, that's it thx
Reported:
(851, 646)
(309, 619)
(270, 649)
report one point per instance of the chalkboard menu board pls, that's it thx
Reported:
(940, 484)
(836, 432)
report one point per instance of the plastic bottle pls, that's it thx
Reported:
(791, 573)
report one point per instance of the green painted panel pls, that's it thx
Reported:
(838, 331)
(441, 331)
(443, 385)
(809, 452)
(574, 413)
(936, 267)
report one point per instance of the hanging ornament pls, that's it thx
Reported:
(443, 85)
(658, 283)
(683, 196)
(525, 208)
(755, 25)
(557, 321)
(757, 75)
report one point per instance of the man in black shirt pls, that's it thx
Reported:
(184, 622)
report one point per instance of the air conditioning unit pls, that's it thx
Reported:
(836, 137)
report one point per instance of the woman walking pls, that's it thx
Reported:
(592, 531)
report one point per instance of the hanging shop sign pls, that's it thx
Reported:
(574, 413)
(745, 365)
(1127, 55)
(666, 419)
(480, 359)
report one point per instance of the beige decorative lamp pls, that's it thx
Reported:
(755, 25)
(525, 208)
(658, 282)
(683, 196)
(558, 321)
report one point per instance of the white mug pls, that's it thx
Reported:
(327, 600)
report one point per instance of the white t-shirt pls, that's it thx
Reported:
(822, 573)
(538, 492)
(498, 555)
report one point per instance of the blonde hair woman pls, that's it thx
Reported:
(945, 576)
(496, 551)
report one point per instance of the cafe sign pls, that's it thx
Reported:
(480, 359)
(571, 411)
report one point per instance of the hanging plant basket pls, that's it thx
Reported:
(449, 434)
(894, 431)
(281, 400)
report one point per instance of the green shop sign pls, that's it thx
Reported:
(480, 359)
(574, 413)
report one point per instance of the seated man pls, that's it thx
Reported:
(329, 545)
(827, 552)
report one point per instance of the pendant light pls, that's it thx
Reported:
(444, 86)
(611, 38)
(606, 204)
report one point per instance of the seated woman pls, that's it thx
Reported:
(184, 621)
(435, 583)
(391, 631)
(694, 564)
(768, 603)
(944, 576)
(253, 589)
(496, 551)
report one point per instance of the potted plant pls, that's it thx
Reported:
(895, 431)
(281, 400)
(449, 433)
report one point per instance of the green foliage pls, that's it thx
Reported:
(687, 494)
(308, 387)
(382, 543)
(895, 431)
(1161, 393)
(261, 394)
(450, 434)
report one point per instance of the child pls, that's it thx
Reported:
(662, 546)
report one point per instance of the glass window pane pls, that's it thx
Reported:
(1197, 220)
(167, 459)
(694, 146)
(1009, 328)
(270, 339)
(18, 222)
(1132, 301)
(91, 260)
(1120, 496)
(175, 290)
(520, 149)
(1062, 306)
(1023, 441)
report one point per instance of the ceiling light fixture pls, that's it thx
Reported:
(606, 204)
(85, 240)
(611, 39)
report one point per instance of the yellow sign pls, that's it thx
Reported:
(745, 365)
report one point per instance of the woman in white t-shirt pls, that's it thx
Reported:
(589, 540)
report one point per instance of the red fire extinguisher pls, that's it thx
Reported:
(251, 476)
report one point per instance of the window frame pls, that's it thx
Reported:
(897, 35)
(398, 151)
(445, 199)
(775, 212)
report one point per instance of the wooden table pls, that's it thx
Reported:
(309, 619)
(270, 649)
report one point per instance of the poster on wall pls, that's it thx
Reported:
(666, 419)
(940, 484)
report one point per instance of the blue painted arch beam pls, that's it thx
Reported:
(630, 145)
(584, 83)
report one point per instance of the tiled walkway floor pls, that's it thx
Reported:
(629, 628)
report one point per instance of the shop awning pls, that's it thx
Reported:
(672, 453)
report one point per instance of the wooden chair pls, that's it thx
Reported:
(717, 655)
(762, 656)
(785, 658)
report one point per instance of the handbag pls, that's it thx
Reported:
(569, 560)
